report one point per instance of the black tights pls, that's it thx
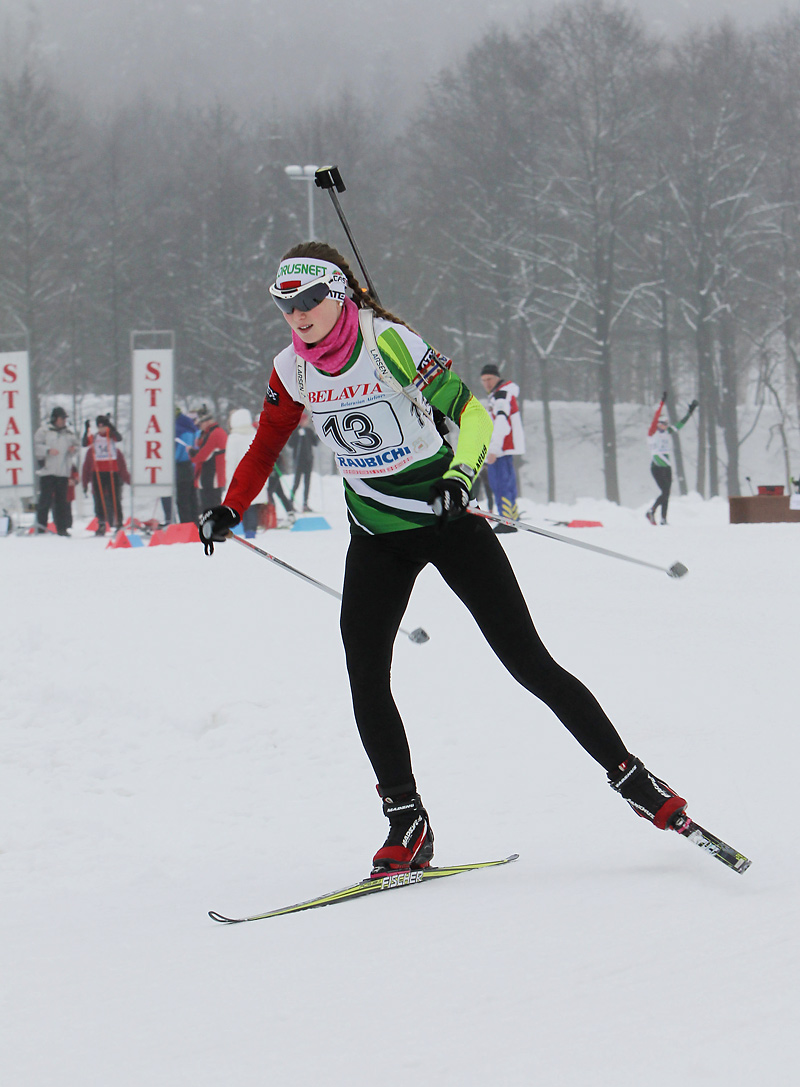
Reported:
(379, 576)
(662, 474)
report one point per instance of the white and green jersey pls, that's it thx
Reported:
(660, 441)
(387, 447)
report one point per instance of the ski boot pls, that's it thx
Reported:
(410, 841)
(649, 797)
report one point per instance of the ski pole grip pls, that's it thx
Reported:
(328, 177)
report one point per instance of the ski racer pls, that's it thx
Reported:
(370, 384)
(660, 442)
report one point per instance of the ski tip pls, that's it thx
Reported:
(224, 920)
(677, 570)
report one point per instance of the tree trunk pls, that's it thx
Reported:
(728, 414)
(666, 383)
(548, 430)
(604, 264)
(705, 385)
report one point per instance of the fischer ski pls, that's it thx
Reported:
(371, 885)
(698, 836)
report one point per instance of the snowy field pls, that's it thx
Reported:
(177, 736)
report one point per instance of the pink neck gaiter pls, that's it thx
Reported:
(332, 353)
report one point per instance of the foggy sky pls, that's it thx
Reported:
(253, 54)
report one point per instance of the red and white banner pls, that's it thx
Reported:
(16, 431)
(153, 421)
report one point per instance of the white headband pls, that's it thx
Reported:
(297, 272)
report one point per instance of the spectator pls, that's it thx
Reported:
(185, 491)
(508, 441)
(302, 443)
(275, 490)
(56, 449)
(208, 458)
(104, 465)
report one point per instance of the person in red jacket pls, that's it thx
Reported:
(105, 467)
(208, 458)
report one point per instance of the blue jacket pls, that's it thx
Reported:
(185, 431)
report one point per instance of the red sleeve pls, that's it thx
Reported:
(654, 423)
(279, 417)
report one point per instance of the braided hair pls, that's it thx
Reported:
(362, 296)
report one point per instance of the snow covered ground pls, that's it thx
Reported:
(177, 736)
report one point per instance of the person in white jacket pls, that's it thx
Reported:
(56, 448)
(508, 441)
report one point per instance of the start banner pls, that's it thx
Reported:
(153, 421)
(16, 462)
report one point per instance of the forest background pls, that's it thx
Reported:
(605, 212)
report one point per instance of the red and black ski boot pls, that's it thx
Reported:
(410, 841)
(649, 796)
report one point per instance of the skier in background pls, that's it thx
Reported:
(660, 442)
(104, 465)
(508, 441)
(407, 495)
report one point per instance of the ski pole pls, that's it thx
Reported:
(676, 570)
(328, 177)
(418, 636)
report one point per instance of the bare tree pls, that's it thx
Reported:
(468, 152)
(723, 218)
(37, 159)
(600, 62)
(779, 62)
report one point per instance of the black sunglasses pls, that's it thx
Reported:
(303, 300)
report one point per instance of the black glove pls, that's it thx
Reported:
(215, 524)
(694, 404)
(664, 397)
(449, 497)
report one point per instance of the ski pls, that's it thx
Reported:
(390, 882)
(696, 834)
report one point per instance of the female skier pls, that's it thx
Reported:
(370, 395)
(660, 443)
